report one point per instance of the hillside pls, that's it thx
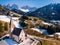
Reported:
(7, 12)
(4, 20)
(4, 28)
(31, 22)
(51, 11)
(3, 10)
(18, 11)
(44, 40)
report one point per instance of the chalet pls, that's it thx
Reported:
(20, 35)
(17, 34)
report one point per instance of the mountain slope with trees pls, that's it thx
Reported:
(51, 11)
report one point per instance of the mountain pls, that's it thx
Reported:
(18, 11)
(24, 8)
(51, 11)
(3, 10)
(13, 6)
(31, 9)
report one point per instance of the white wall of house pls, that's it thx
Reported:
(16, 38)
(27, 42)
(22, 35)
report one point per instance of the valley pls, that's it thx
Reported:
(29, 25)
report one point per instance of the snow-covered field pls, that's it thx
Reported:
(4, 18)
(40, 30)
(54, 21)
(11, 42)
(24, 10)
(46, 23)
(7, 19)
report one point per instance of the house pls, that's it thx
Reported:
(22, 36)
(17, 34)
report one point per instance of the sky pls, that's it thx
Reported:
(32, 3)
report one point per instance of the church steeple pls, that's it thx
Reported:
(11, 24)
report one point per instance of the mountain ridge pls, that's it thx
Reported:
(23, 8)
(51, 11)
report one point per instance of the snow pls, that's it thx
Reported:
(3, 42)
(58, 36)
(43, 31)
(58, 33)
(51, 35)
(24, 10)
(26, 42)
(4, 18)
(39, 12)
(52, 7)
(40, 30)
(5, 36)
(53, 13)
(10, 41)
(46, 23)
(54, 21)
(15, 20)
(36, 29)
(16, 23)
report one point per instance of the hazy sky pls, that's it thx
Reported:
(32, 3)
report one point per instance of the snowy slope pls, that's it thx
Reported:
(7, 19)
(4, 18)
(24, 10)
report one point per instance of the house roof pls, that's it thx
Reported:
(16, 31)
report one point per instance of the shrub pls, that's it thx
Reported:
(1, 27)
(23, 24)
(6, 26)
